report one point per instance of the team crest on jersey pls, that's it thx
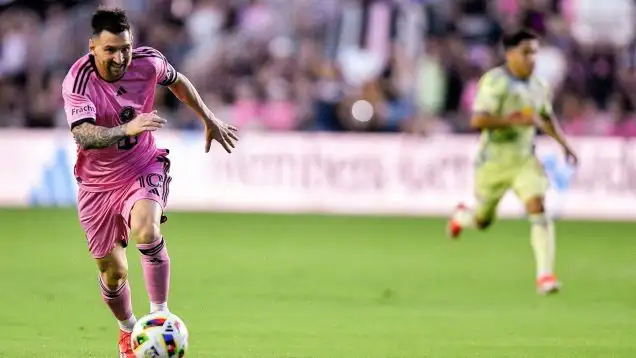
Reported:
(126, 114)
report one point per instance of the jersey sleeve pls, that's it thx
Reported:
(78, 108)
(490, 92)
(166, 74)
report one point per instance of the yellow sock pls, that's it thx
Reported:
(543, 244)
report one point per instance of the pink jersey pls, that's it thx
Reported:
(89, 98)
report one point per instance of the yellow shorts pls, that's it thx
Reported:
(526, 178)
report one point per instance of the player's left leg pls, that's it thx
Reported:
(543, 243)
(145, 219)
(531, 186)
(143, 211)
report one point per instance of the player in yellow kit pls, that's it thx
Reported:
(511, 104)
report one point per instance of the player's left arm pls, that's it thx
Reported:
(184, 90)
(215, 129)
(552, 128)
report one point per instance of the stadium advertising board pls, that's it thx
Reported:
(327, 173)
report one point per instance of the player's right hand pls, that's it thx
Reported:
(523, 118)
(145, 122)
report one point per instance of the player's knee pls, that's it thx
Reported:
(535, 206)
(114, 275)
(147, 233)
(145, 221)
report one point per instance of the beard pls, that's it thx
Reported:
(116, 70)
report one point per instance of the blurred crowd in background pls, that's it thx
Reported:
(283, 65)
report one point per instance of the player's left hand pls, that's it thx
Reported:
(220, 131)
(571, 157)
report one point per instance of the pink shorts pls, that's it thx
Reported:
(105, 216)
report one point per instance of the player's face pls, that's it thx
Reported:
(113, 53)
(523, 57)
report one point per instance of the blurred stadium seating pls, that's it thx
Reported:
(281, 65)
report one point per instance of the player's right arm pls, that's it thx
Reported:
(491, 91)
(81, 116)
(91, 136)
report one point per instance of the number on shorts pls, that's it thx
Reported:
(127, 143)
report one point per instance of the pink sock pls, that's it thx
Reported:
(155, 263)
(118, 300)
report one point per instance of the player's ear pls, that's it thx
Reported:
(91, 46)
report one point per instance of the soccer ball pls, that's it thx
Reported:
(160, 335)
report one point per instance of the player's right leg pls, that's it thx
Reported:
(104, 231)
(490, 186)
(113, 284)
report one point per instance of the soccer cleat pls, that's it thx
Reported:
(548, 284)
(125, 346)
(453, 229)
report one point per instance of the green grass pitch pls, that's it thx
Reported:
(270, 286)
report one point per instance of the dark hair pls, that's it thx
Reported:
(514, 39)
(113, 20)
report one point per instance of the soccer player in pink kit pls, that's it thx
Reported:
(122, 176)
